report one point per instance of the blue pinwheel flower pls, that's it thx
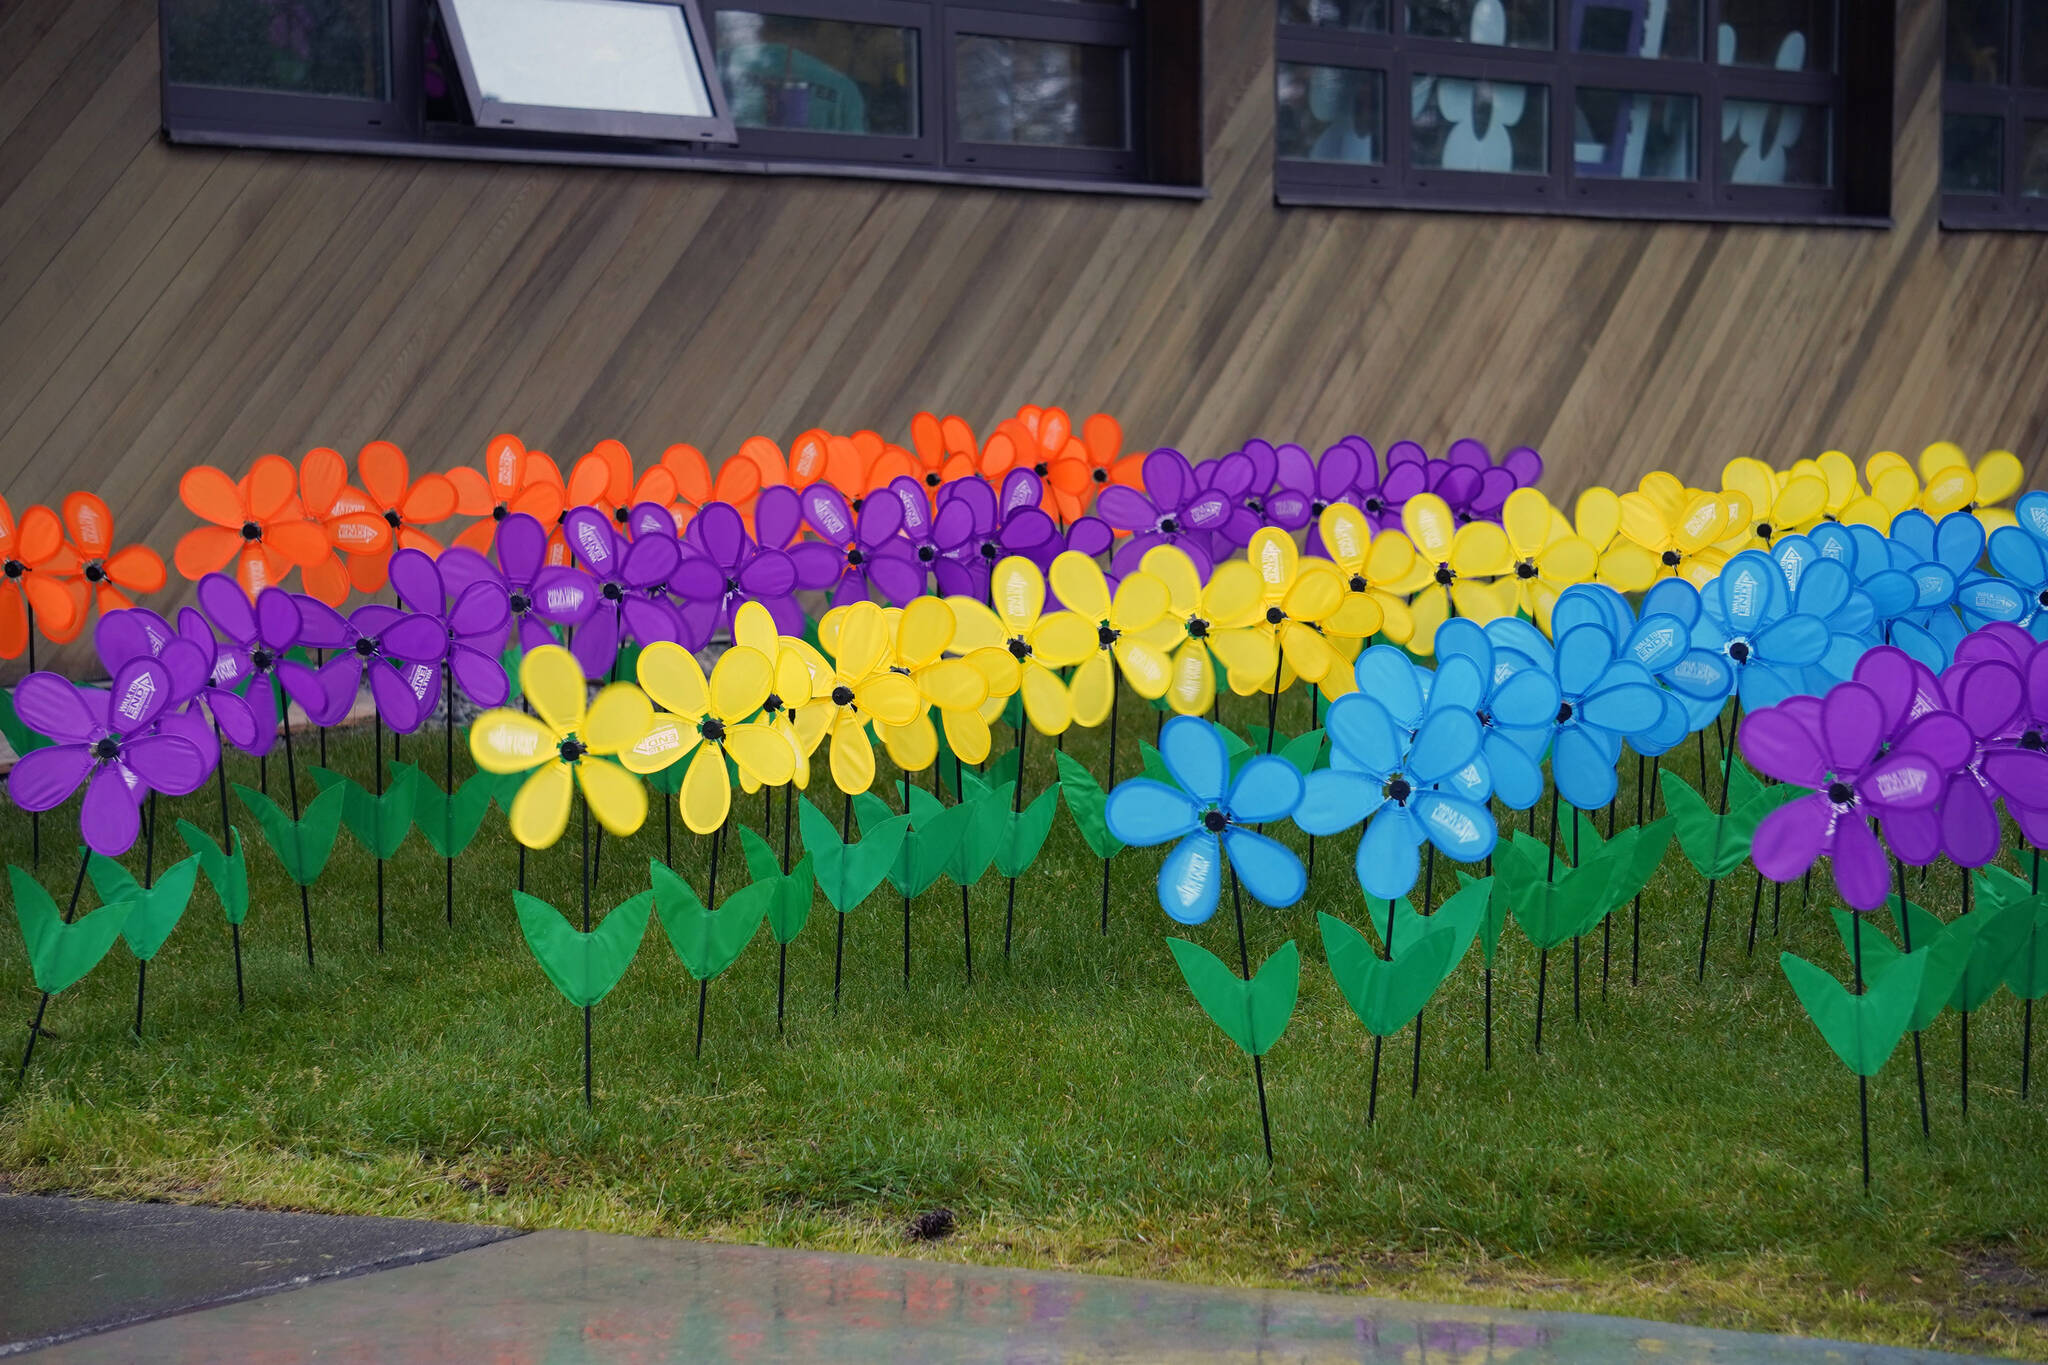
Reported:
(1660, 645)
(1749, 614)
(1208, 809)
(1604, 698)
(1945, 555)
(1516, 703)
(2020, 554)
(1399, 756)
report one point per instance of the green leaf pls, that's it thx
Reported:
(1387, 993)
(59, 954)
(505, 789)
(1084, 800)
(789, 909)
(1254, 1013)
(228, 872)
(933, 838)
(1304, 751)
(1024, 834)
(379, 823)
(1862, 1029)
(708, 941)
(1002, 769)
(849, 873)
(154, 912)
(1716, 844)
(2027, 974)
(1947, 947)
(1496, 917)
(1154, 765)
(303, 845)
(2000, 935)
(449, 822)
(988, 816)
(1995, 888)
(1550, 911)
(584, 967)
(509, 661)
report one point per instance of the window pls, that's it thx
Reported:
(1756, 109)
(1077, 91)
(1994, 120)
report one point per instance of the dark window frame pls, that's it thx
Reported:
(1855, 89)
(2013, 104)
(1161, 40)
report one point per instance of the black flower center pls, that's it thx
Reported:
(1197, 628)
(106, 749)
(1107, 635)
(1763, 529)
(1274, 616)
(1039, 469)
(1214, 821)
(732, 585)
(391, 517)
(855, 505)
(1670, 558)
(772, 704)
(1255, 506)
(926, 554)
(1564, 713)
(619, 514)
(1375, 505)
(2032, 739)
(712, 728)
(1444, 575)
(500, 512)
(95, 572)
(251, 531)
(15, 568)
(366, 648)
(521, 603)
(1099, 475)
(1358, 583)
(1738, 650)
(1398, 790)
(261, 658)
(854, 558)
(1841, 793)
(571, 749)
(1019, 647)
(613, 592)
(1317, 507)
(2042, 596)
(931, 481)
(1525, 568)
(842, 695)
(1169, 525)
(990, 550)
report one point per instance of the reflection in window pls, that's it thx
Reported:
(1974, 49)
(304, 47)
(1365, 16)
(1630, 28)
(1486, 23)
(1331, 113)
(1789, 35)
(2034, 160)
(1972, 153)
(1039, 94)
(818, 75)
(1466, 125)
(1764, 142)
(1635, 135)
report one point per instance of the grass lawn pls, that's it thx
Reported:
(1678, 1151)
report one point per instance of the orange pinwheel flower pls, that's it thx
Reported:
(107, 575)
(405, 503)
(257, 524)
(819, 455)
(355, 532)
(738, 480)
(946, 450)
(604, 479)
(513, 479)
(33, 557)
(880, 462)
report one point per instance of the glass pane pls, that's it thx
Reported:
(1332, 113)
(1487, 23)
(1039, 94)
(1767, 143)
(1635, 135)
(1791, 35)
(818, 75)
(1369, 16)
(2034, 43)
(1972, 153)
(1632, 28)
(584, 54)
(1975, 46)
(308, 47)
(2034, 160)
(1466, 125)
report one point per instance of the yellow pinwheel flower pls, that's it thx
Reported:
(1120, 620)
(1203, 626)
(790, 708)
(1779, 504)
(1296, 596)
(1669, 530)
(1038, 641)
(708, 722)
(864, 688)
(1845, 485)
(563, 746)
(1373, 567)
(1452, 565)
(1548, 555)
(1953, 485)
(955, 687)
(1894, 487)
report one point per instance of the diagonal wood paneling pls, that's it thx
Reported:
(162, 306)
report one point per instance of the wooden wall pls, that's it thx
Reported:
(161, 306)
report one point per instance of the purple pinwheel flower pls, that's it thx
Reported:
(856, 553)
(938, 533)
(139, 633)
(1173, 510)
(467, 596)
(1312, 485)
(112, 742)
(999, 524)
(1519, 468)
(539, 594)
(1988, 695)
(400, 651)
(2015, 761)
(621, 567)
(724, 567)
(251, 643)
(1832, 745)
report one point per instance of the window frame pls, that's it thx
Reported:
(1855, 196)
(2013, 105)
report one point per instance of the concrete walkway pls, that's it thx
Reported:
(562, 1298)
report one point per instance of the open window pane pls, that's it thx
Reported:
(1635, 135)
(1786, 35)
(1460, 124)
(818, 75)
(1635, 28)
(1362, 16)
(621, 56)
(1972, 153)
(305, 47)
(1042, 94)
(1764, 142)
(1332, 113)
(1486, 23)
(1973, 50)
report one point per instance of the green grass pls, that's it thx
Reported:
(1679, 1151)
